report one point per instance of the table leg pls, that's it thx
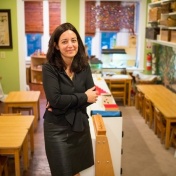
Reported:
(25, 153)
(38, 104)
(17, 162)
(129, 92)
(155, 127)
(6, 108)
(31, 132)
(168, 125)
(36, 114)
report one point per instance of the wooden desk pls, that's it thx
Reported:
(24, 99)
(11, 143)
(128, 79)
(165, 101)
(22, 122)
(14, 132)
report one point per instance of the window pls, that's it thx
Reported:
(37, 30)
(33, 43)
(116, 24)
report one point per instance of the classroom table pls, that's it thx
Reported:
(24, 99)
(128, 79)
(14, 132)
(165, 100)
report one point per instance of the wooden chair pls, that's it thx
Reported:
(173, 137)
(140, 102)
(22, 109)
(118, 89)
(148, 109)
(160, 124)
(3, 165)
(108, 83)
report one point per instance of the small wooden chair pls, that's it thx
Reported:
(148, 109)
(140, 103)
(160, 124)
(3, 165)
(173, 136)
(118, 89)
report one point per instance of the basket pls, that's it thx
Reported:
(154, 14)
(173, 6)
(169, 22)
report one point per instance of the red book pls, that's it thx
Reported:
(111, 107)
(100, 90)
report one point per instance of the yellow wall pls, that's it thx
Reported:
(72, 12)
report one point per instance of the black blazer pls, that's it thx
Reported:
(67, 97)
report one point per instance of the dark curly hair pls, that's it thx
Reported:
(53, 55)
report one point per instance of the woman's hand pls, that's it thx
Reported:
(92, 95)
(48, 107)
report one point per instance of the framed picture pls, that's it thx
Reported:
(5, 29)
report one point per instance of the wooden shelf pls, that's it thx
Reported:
(164, 16)
(158, 3)
(36, 68)
(161, 42)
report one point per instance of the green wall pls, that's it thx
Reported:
(9, 67)
(72, 12)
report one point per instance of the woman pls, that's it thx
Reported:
(69, 89)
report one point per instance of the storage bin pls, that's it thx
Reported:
(169, 22)
(173, 36)
(173, 6)
(151, 33)
(165, 8)
(155, 14)
(165, 34)
(96, 68)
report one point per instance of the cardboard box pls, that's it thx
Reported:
(165, 35)
(173, 36)
(154, 14)
(165, 7)
(151, 32)
(173, 6)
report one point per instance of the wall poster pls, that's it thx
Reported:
(5, 29)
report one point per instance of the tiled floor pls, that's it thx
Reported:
(38, 165)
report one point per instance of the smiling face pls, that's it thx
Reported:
(68, 45)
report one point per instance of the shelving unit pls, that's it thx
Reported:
(36, 68)
(162, 27)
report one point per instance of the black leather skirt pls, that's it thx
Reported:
(68, 152)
